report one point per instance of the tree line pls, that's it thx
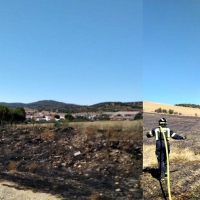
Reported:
(11, 115)
(188, 105)
(170, 111)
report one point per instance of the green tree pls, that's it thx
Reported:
(19, 115)
(4, 114)
(81, 119)
(171, 111)
(69, 117)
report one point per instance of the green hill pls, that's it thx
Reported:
(51, 105)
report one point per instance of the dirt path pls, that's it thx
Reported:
(12, 191)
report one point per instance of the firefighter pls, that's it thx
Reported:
(160, 145)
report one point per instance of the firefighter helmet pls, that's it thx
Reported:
(162, 122)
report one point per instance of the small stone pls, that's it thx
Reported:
(118, 190)
(63, 164)
(77, 153)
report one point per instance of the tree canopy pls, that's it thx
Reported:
(9, 115)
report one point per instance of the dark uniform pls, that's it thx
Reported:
(160, 144)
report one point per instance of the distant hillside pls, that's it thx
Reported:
(51, 105)
(150, 107)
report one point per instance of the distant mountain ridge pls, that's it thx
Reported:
(46, 103)
(66, 107)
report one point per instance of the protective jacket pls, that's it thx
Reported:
(160, 145)
(168, 134)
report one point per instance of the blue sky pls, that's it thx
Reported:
(171, 58)
(73, 51)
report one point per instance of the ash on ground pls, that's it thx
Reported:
(71, 164)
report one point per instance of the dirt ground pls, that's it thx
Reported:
(71, 163)
(184, 159)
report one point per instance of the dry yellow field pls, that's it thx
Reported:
(152, 106)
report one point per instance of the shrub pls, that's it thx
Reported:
(164, 111)
(138, 117)
(159, 110)
(69, 117)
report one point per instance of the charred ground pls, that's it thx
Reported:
(72, 162)
(184, 170)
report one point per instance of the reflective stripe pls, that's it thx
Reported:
(173, 134)
(150, 133)
(168, 133)
(159, 130)
(156, 133)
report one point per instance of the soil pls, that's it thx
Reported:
(184, 174)
(64, 163)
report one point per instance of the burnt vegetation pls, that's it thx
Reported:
(74, 162)
(184, 159)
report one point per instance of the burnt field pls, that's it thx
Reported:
(74, 162)
(184, 159)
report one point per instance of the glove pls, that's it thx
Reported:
(148, 135)
(184, 137)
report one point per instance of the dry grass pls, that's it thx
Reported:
(152, 106)
(176, 154)
(94, 196)
(186, 154)
(125, 130)
(149, 157)
(89, 131)
(102, 124)
(48, 135)
(12, 166)
(32, 166)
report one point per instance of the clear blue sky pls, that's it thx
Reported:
(171, 51)
(73, 51)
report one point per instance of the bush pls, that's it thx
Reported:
(171, 111)
(164, 111)
(159, 110)
(69, 117)
(138, 117)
